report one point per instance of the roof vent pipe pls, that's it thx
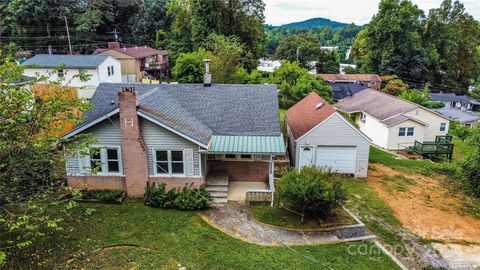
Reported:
(207, 77)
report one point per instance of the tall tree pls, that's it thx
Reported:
(327, 62)
(227, 52)
(205, 19)
(151, 18)
(40, 24)
(296, 83)
(450, 38)
(301, 48)
(393, 40)
(244, 19)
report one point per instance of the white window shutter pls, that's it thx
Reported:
(83, 163)
(189, 161)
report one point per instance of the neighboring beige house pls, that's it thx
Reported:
(138, 62)
(391, 122)
(319, 135)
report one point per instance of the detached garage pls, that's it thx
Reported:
(319, 135)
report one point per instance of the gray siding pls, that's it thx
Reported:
(158, 137)
(335, 132)
(106, 133)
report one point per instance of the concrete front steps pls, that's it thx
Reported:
(217, 186)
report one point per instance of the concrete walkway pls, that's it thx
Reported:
(235, 219)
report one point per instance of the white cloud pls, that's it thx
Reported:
(357, 11)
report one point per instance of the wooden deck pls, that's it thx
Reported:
(441, 146)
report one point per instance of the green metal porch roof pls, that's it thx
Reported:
(247, 144)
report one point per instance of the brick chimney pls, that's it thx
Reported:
(134, 151)
(113, 45)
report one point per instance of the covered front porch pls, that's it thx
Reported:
(238, 166)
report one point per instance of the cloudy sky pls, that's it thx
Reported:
(357, 11)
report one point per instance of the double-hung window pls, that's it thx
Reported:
(363, 117)
(105, 160)
(443, 127)
(406, 131)
(170, 162)
(110, 71)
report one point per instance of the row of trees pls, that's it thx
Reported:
(228, 66)
(342, 37)
(304, 48)
(177, 25)
(440, 49)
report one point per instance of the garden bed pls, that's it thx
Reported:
(102, 196)
(281, 217)
(342, 222)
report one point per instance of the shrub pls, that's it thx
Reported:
(185, 199)
(104, 195)
(312, 191)
(192, 199)
(470, 171)
(456, 129)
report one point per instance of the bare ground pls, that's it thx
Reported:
(431, 211)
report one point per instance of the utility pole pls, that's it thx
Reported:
(49, 40)
(68, 35)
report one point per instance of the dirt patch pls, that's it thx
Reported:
(424, 206)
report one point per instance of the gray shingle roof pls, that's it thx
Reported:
(458, 115)
(451, 97)
(377, 104)
(386, 108)
(343, 90)
(198, 111)
(69, 61)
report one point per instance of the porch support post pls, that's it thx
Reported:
(270, 177)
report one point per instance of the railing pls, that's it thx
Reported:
(441, 145)
(263, 195)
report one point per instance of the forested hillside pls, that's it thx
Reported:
(314, 22)
(341, 36)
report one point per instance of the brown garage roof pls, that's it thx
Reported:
(304, 115)
(351, 77)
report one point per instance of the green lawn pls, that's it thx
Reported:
(379, 156)
(284, 218)
(169, 238)
(282, 115)
(461, 149)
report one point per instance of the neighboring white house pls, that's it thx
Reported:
(319, 135)
(391, 122)
(343, 66)
(268, 65)
(99, 68)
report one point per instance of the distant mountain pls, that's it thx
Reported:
(314, 22)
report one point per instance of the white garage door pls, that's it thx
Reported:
(339, 158)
